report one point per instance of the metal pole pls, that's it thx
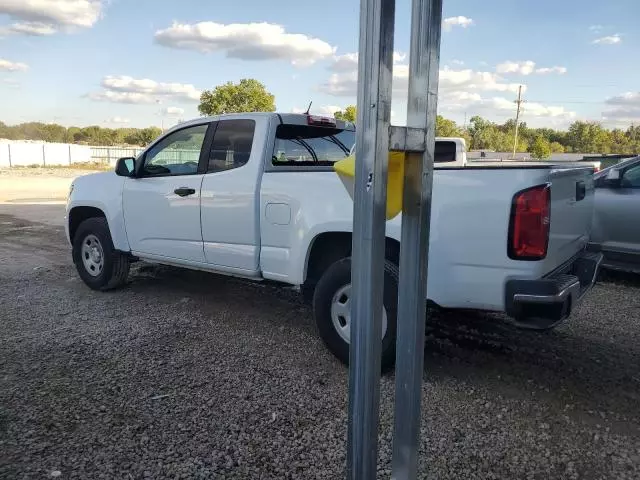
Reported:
(9, 148)
(515, 138)
(44, 162)
(424, 59)
(375, 63)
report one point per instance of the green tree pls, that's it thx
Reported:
(446, 127)
(540, 148)
(348, 114)
(249, 95)
(589, 137)
(556, 147)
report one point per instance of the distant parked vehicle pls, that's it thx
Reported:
(616, 216)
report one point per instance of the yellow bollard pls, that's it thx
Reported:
(346, 170)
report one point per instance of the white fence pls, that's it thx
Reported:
(24, 154)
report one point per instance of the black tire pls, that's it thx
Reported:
(333, 279)
(115, 268)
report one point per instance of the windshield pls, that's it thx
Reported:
(308, 145)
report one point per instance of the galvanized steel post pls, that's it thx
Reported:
(424, 59)
(375, 63)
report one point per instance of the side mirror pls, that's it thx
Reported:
(126, 167)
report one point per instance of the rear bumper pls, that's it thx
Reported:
(543, 303)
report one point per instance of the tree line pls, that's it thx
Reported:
(92, 135)
(250, 95)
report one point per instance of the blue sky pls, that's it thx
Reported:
(144, 62)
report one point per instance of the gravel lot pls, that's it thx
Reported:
(189, 375)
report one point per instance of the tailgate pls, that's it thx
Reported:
(572, 193)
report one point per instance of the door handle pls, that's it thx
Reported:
(184, 191)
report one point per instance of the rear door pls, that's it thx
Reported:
(162, 204)
(230, 190)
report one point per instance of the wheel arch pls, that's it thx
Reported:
(327, 248)
(79, 214)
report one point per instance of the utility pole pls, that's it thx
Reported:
(518, 102)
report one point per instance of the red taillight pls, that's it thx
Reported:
(319, 120)
(529, 226)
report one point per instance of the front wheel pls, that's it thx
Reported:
(99, 264)
(332, 311)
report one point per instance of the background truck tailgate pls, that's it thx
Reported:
(572, 192)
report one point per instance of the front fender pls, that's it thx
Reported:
(104, 192)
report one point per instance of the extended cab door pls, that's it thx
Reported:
(162, 203)
(230, 192)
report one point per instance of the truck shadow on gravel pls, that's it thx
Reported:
(566, 365)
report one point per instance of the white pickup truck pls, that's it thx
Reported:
(254, 196)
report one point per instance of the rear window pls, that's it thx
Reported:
(445, 151)
(303, 145)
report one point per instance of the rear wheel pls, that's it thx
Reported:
(332, 311)
(98, 263)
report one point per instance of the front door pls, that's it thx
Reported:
(162, 204)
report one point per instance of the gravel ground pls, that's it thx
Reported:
(188, 375)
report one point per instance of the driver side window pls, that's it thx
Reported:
(176, 154)
(631, 178)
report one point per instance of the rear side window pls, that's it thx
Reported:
(445, 151)
(303, 145)
(232, 143)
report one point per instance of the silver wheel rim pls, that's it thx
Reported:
(341, 313)
(92, 255)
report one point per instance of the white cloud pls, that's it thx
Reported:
(118, 120)
(609, 40)
(9, 66)
(459, 63)
(500, 106)
(625, 99)
(345, 63)
(472, 80)
(527, 67)
(37, 29)
(125, 83)
(173, 111)
(595, 28)
(399, 57)
(458, 21)
(246, 41)
(624, 108)
(125, 89)
(460, 90)
(122, 97)
(348, 62)
(345, 82)
(45, 17)
(523, 68)
(545, 70)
